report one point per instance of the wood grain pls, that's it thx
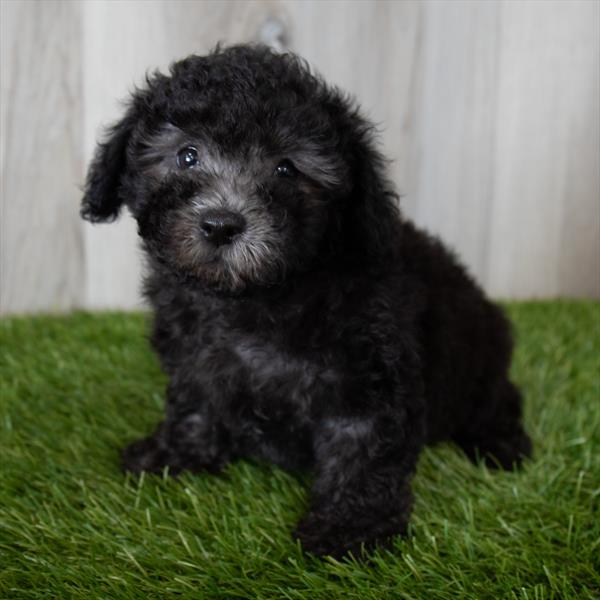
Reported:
(488, 110)
(41, 243)
(546, 152)
(452, 146)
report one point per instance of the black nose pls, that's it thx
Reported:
(221, 226)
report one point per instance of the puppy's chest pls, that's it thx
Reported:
(274, 397)
(274, 366)
(267, 364)
(272, 377)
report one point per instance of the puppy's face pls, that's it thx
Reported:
(232, 214)
(236, 168)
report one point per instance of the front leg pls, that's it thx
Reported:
(361, 494)
(192, 437)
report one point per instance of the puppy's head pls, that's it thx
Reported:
(242, 168)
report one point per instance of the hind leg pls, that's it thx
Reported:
(496, 434)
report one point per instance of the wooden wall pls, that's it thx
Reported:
(489, 110)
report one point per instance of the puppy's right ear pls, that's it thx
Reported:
(102, 200)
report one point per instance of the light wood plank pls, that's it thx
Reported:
(41, 246)
(452, 144)
(547, 118)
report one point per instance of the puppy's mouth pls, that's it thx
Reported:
(225, 249)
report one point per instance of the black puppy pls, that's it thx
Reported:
(299, 317)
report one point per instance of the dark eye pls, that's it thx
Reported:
(187, 157)
(286, 168)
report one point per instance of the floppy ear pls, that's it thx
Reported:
(370, 217)
(374, 206)
(102, 200)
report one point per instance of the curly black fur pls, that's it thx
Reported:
(327, 332)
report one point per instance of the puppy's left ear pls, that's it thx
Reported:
(103, 200)
(373, 213)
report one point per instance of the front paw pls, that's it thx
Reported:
(317, 537)
(324, 536)
(147, 455)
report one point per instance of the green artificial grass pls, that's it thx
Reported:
(76, 389)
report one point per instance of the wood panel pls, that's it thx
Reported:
(545, 219)
(488, 110)
(452, 145)
(41, 245)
